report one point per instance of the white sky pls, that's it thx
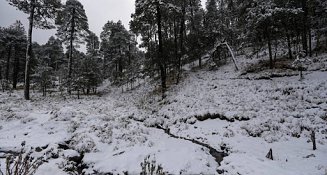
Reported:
(98, 12)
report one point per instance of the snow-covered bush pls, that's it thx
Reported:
(65, 114)
(255, 130)
(104, 132)
(82, 143)
(23, 163)
(133, 135)
(229, 133)
(149, 167)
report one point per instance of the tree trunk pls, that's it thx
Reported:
(289, 45)
(176, 47)
(176, 41)
(192, 16)
(44, 90)
(181, 41)
(160, 58)
(70, 64)
(16, 70)
(120, 65)
(276, 50)
(129, 55)
(8, 63)
(104, 65)
(313, 139)
(270, 51)
(120, 62)
(232, 54)
(305, 26)
(318, 42)
(296, 43)
(195, 31)
(29, 53)
(0, 72)
(3, 90)
(310, 42)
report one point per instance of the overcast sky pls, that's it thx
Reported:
(97, 11)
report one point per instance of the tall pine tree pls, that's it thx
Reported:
(40, 14)
(72, 28)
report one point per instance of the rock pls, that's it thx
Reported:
(54, 155)
(63, 146)
(220, 171)
(38, 149)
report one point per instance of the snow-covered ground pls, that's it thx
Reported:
(115, 132)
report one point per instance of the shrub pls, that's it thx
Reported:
(149, 167)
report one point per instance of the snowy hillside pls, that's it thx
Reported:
(115, 132)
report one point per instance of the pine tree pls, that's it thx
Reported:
(319, 23)
(54, 53)
(115, 46)
(92, 44)
(13, 44)
(40, 12)
(211, 23)
(72, 28)
(2, 59)
(89, 75)
(194, 39)
(20, 50)
(150, 17)
(261, 24)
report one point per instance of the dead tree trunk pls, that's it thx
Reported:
(233, 56)
(231, 52)
(313, 139)
(270, 155)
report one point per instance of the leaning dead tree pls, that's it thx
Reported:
(219, 44)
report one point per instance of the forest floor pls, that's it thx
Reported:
(240, 115)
